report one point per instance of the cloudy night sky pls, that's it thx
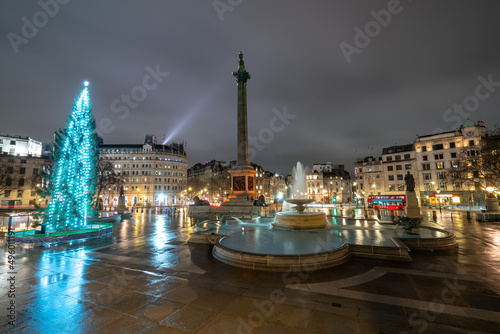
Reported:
(400, 80)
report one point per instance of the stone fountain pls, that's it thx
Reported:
(299, 219)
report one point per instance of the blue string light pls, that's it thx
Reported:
(75, 165)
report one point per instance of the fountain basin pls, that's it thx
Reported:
(300, 221)
(259, 246)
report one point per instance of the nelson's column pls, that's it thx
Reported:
(242, 174)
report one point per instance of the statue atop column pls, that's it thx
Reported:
(241, 75)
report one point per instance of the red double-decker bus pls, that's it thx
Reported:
(389, 202)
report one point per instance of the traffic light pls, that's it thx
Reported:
(334, 200)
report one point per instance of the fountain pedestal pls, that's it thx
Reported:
(300, 220)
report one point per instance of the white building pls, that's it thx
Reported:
(153, 174)
(328, 183)
(325, 167)
(438, 153)
(19, 145)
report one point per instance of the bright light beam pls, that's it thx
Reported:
(183, 122)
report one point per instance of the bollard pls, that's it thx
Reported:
(434, 215)
(392, 215)
(468, 215)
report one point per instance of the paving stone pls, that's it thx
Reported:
(285, 315)
(224, 324)
(214, 300)
(188, 319)
(128, 324)
(326, 323)
(184, 294)
(157, 309)
(168, 286)
(275, 329)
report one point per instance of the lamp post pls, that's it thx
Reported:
(439, 199)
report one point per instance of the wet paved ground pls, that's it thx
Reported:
(146, 278)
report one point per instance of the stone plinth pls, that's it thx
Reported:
(121, 205)
(492, 205)
(488, 217)
(242, 182)
(412, 210)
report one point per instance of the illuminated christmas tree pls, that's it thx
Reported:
(72, 179)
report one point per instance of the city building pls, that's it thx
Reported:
(269, 184)
(328, 183)
(369, 178)
(21, 162)
(211, 181)
(438, 154)
(153, 174)
(397, 161)
(19, 145)
(431, 160)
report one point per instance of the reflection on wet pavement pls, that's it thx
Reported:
(147, 278)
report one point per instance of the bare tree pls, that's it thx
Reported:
(107, 176)
(478, 166)
(9, 178)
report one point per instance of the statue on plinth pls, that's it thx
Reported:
(411, 208)
(410, 182)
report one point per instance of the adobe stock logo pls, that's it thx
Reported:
(372, 29)
(126, 102)
(221, 7)
(456, 115)
(40, 19)
(266, 135)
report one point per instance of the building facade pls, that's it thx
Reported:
(211, 181)
(369, 178)
(437, 155)
(397, 161)
(153, 174)
(328, 183)
(431, 160)
(271, 185)
(15, 145)
(19, 177)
